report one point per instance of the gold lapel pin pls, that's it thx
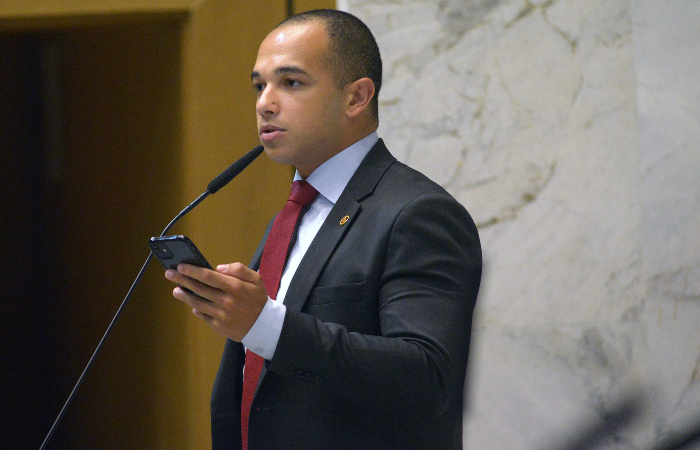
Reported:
(344, 220)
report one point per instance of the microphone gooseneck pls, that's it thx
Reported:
(217, 183)
(234, 169)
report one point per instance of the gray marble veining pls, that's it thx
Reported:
(571, 131)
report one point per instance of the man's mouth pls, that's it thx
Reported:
(268, 129)
(269, 133)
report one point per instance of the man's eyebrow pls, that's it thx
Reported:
(282, 70)
(290, 69)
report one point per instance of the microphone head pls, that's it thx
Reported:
(234, 169)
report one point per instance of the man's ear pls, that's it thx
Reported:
(360, 93)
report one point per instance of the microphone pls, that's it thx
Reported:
(234, 169)
(217, 183)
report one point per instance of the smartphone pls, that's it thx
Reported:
(173, 250)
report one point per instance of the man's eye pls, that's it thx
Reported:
(293, 83)
(258, 87)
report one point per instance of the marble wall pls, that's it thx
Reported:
(570, 129)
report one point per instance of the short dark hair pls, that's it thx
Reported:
(354, 51)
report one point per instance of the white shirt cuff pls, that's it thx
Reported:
(263, 336)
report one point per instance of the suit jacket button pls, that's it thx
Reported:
(292, 370)
(318, 379)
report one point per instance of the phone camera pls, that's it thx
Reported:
(162, 251)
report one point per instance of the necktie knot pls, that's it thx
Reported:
(302, 193)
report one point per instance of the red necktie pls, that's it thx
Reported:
(271, 267)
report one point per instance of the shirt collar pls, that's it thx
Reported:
(331, 177)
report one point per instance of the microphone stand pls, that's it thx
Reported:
(217, 183)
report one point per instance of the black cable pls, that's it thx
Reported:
(114, 321)
(217, 183)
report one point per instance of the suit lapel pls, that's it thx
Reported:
(360, 186)
(337, 224)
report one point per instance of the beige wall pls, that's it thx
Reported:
(152, 100)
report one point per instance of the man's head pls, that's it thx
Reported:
(353, 52)
(312, 100)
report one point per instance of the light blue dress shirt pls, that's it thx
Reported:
(329, 179)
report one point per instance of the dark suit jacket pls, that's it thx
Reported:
(373, 350)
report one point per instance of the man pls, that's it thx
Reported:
(365, 344)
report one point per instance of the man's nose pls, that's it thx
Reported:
(267, 103)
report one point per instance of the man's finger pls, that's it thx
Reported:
(240, 271)
(197, 287)
(236, 276)
(198, 303)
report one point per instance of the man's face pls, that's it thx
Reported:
(299, 109)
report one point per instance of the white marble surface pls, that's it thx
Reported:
(571, 131)
(667, 55)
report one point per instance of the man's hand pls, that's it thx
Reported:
(230, 298)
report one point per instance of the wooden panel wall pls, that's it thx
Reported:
(119, 113)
